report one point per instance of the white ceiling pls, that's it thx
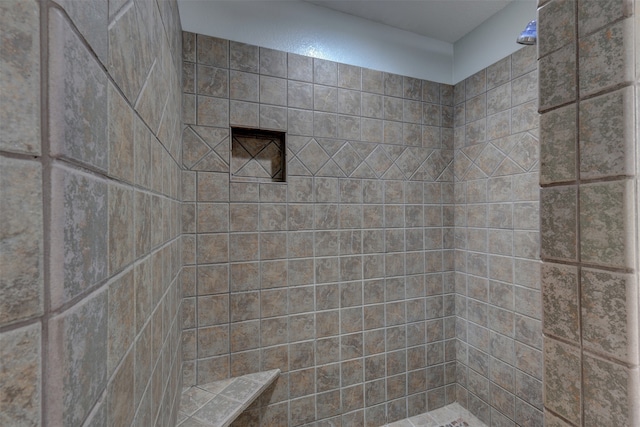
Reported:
(445, 20)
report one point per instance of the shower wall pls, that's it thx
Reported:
(498, 304)
(589, 92)
(342, 277)
(90, 250)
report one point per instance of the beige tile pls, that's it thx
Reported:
(562, 379)
(79, 237)
(609, 310)
(558, 226)
(609, 390)
(20, 380)
(560, 301)
(557, 78)
(606, 135)
(22, 240)
(78, 131)
(20, 80)
(78, 335)
(605, 58)
(606, 224)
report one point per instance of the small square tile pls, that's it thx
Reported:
(212, 51)
(243, 57)
(273, 62)
(300, 67)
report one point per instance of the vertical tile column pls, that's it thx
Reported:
(498, 310)
(21, 213)
(589, 200)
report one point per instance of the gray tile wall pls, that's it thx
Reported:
(498, 303)
(589, 94)
(90, 180)
(342, 277)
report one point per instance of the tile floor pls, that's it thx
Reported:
(452, 415)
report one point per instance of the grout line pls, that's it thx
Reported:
(46, 207)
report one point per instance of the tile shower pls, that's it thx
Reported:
(394, 272)
(342, 277)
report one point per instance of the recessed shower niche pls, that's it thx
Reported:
(257, 155)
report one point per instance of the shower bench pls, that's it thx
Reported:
(219, 403)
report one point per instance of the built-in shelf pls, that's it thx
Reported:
(219, 403)
(257, 155)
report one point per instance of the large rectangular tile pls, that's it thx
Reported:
(20, 77)
(77, 98)
(21, 239)
(77, 360)
(20, 377)
(79, 238)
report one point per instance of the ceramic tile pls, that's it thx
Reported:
(593, 15)
(605, 58)
(606, 227)
(605, 329)
(20, 80)
(22, 240)
(78, 226)
(562, 379)
(558, 213)
(273, 62)
(77, 336)
(557, 160)
(608, 388)
(606, 135)
(557, 78)
(21, 390)
(78, 131)
(300, 67)
(557, 21)
(560, 301)
(243, 57)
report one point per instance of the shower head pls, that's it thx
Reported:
(529, 35)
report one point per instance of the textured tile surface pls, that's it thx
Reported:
(20, 77)
(562, 379)
(78, 356)
(609, 310)
(77, 98)
(606, 224)
(79, 258)
(21, 240)
(606, 135)
(20, 378)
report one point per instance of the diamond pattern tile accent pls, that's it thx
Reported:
(206, 149)
(312, 156)
(379, 161)
(347, 159)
